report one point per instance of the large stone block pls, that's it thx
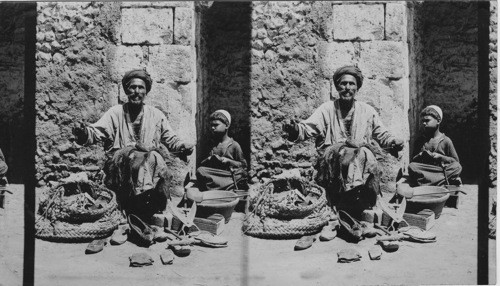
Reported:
(371, 91)
(358, 22)
(147, 26)
(395, 22)
(326, 89)
(384, 59)
(334, 55)
(176, 101)
(389, 98)
(321, 12)
(183, 26)
(146, 4)
(395, 118)
(394, 114)
(172, 63)
(126, 58)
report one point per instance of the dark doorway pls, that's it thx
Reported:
(224, 31)
(446, 52)
(12, 68)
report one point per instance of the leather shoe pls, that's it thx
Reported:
(350, 227)
(305, 242)
(141, 232)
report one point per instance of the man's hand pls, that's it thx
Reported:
(80, 132)
(397, 144)
(186, 149)
(142, 147)
(291, 128)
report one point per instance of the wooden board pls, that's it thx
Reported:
(425, 219)
(213, 224)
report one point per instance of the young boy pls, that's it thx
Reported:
(225, 165)
(436, 154)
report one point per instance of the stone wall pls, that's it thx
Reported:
(493, 93)
(12, 41)
(75, 42)
(448, 76)
(83, 49)
(297, 46)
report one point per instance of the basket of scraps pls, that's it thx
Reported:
(272, 228)
(60, 231)
(287, 198)
(78, 202)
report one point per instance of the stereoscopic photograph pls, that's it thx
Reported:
(248, 143)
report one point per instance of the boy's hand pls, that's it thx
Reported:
(436, 156)
(224, 160)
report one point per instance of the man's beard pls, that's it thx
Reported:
(136, 100)
(347, 96)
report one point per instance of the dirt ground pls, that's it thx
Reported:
(251, 261)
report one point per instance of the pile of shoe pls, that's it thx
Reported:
(76, 209)
(287, 198)
(286, 208)
(353, 230)
(143, 234)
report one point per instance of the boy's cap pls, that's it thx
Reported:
(438, 110)
(225, 114)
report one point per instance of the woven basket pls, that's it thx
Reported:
(59, 231)
(268, 203)
(56, 208)
(271, 228)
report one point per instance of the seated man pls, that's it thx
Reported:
(225, 167)
(135, 134)
(436, 155)
(345, 129)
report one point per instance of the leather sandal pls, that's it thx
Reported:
(305, 242)
(120, 235)
(416, 234)
(375, 253)
(329, 231)
(389, 246)
(180, 250)
(348, 255)
(95, 246)
(167, 257)
(205, 238)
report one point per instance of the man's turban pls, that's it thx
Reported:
(350, 70)
(140, 74)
